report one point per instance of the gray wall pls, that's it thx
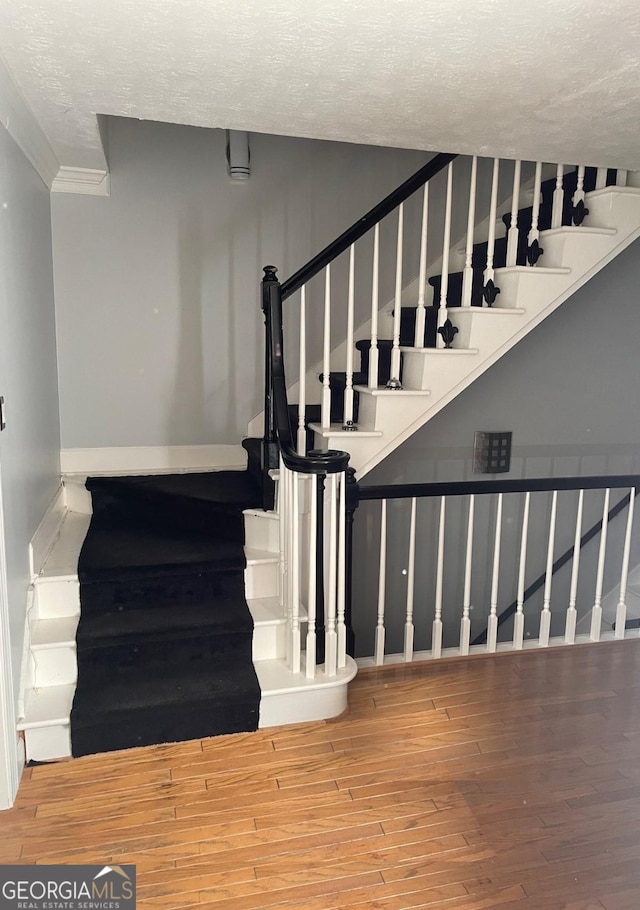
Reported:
(30, 446)
(569, 393)
(158, 320)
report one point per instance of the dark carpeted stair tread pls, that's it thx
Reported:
(118, 552)
(111, 689)
(165, 635)
(167, 588)
(166, 725)
(208, 502)
(187, 620)
(217, 487)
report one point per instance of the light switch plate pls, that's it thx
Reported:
(491, 452)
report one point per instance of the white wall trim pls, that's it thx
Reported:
(82, 180)
(20, 122)
(10, 763)
(46, 533)
(152, 459)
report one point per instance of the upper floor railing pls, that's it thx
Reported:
(464, 549)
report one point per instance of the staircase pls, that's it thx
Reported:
(488, 293)
(431, 374)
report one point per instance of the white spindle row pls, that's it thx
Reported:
(524, 564)
(299, 544)
(438, 205)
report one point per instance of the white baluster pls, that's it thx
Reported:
(302, 375)
(601, 178)
(596, 613)
(283, 526)
(422, 273)
(375, 279)
(342, 577)
(446, 246)
(489, 273)
(512, 236)
(621, 177)
(311, 590)
(518, 620)
(534, 233)
(572, 613)
(558, 198)
(467, 275)
(382, 578)
(326, 352)
(411, 571)
(492, 624)
(578, 196)
(621, 610)
(394, 381)
(295, 574)
(348, 392)
(287, 567)
(436, 634)
(331, 637)
(545, 618)
(465, 622)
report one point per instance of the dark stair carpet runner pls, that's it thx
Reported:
(165, 634)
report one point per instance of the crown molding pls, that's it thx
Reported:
(20, 122)
(84, 180)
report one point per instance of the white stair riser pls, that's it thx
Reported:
(54, 666)
(486, 329)
(425, 369)
(48, 742)
(269, 641)
(77, 497)
(262, 531)
(532, 288)
(56, 597)
(378, 410)
(261, 579)
(575, 249)
(612, 210)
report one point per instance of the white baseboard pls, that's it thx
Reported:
(152, 459)
(46, 533)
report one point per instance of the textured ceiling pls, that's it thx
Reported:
(550, 79)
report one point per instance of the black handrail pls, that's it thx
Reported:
(467, 487)
(364, 224)
(278, 423)
(561, 561)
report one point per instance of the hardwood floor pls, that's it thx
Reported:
(510, 782)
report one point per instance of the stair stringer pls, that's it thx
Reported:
(528, 296)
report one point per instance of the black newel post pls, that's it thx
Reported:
(320, 630)
(352, 503)
(269, 452)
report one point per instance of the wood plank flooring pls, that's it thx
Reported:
(506, 782)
